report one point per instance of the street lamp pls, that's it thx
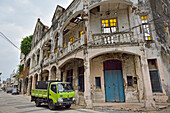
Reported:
(41, 70)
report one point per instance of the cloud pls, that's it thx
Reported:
(23, 1)
(18, 19)
(11, 10)
(15, 32)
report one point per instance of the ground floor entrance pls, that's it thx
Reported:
(114, 88)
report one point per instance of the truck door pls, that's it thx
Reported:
(53, 93)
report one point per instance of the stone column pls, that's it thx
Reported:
(23, 86)
(58, 74)
(139, 78)
(60, 40)
(39, 77)
(41, 56)
(29, 86)
(35, 63)
(33, 82)
(64, 76)
(148, 98)
(75, 75)
(50, 77)
(75, 80)
(87, 92)
(31, 62)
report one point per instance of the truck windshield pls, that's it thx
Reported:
(65, 87)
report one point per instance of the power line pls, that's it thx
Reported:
(3, 36)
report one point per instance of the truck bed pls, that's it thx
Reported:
(41, 93)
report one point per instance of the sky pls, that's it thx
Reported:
(17, 20)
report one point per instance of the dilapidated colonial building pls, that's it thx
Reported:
(110, 50)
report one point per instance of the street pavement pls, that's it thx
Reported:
(21, 104)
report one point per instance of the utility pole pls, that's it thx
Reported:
(0, 77)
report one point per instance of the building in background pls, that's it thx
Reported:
(8, 82)
(110, 50)
(3, 86)
(14, 79)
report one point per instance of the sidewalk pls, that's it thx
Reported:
(132, 107)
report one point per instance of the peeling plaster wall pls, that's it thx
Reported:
(131, 93)
(165, 68)
(128, 69)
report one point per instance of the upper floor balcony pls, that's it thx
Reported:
(72, 46)
(110, 23)
(111, 39)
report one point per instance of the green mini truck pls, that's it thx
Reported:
(54, 93)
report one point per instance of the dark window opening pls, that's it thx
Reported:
(154, 76)
(81, 79)
(152, 64)
(146, 27)
(61, 76)
(46, 78)
(135, 80)
(70, 76)
(53, 88)
(98, 82)
(130, 81)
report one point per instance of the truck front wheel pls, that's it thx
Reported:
(37, 103)
(68, 106)
(51, 105)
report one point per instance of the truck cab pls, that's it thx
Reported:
(53, 93)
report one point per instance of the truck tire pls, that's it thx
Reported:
(68, 106)
(37, 103)
(51, 105)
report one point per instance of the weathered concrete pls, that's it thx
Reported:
(92, 47)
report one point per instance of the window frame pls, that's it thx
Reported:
(81, 86)
(81, 33)
(70, 76)
(146, 27)
(152, 69)
(130, 81)
(164, 7)
(71, 38)
(55, 88)
(98, 86)
(116, 27)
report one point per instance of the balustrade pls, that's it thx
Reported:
(114, 38)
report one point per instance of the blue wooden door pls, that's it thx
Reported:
(114, 85)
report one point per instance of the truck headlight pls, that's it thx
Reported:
(74, 98)
(60, 100)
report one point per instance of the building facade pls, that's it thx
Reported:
(110, 50)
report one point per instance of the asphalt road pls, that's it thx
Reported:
(21, 104)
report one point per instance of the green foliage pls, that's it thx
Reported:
(0, 73)
(20, 69)
(26, 45)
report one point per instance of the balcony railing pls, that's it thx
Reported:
(72, 46)
(114, 38)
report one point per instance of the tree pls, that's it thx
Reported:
(20, 69)
(26, 45)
